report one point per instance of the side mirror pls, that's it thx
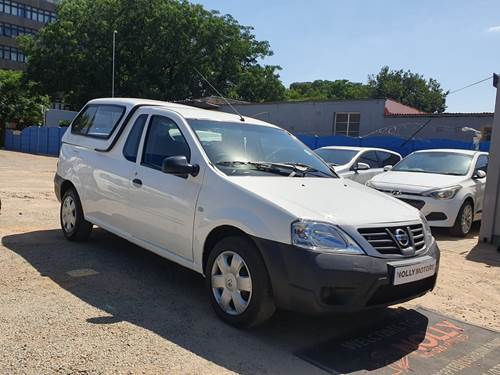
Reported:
(179, 166)
(360, 167)
(479, 174)
(387, 168)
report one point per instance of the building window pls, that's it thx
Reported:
(25, 11)
(347, 123)
(12, 31)
(11, 54)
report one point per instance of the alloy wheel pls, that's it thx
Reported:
(466, 220)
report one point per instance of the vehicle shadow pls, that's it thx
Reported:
(136, 286)
(443, 234)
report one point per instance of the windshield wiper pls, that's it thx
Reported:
(265, 167)
(286, 169)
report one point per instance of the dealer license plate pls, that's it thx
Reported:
(414, 272)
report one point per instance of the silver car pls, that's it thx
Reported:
(359, 164)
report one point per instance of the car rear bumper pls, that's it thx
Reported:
(58, 181)
(319, 283)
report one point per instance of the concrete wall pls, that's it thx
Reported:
(490, 227)
(54, 116)
(315, 118)
(447, 126)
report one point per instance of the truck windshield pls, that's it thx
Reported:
(336, 156)
(247, 149)
(435, 162)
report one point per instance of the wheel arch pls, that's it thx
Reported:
(218, 234)
(65, 186)
(469, 198)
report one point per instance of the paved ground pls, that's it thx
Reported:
(107, 306)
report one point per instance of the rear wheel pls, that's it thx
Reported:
(463, 223)
(73, 224)
(238, 283)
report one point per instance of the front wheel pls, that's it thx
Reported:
(73, 224)
(238, 283)
(463, 223)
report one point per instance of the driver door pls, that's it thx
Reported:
(163, 205)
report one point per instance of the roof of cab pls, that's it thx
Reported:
(453, 151)
(352, 148)
(184, 110)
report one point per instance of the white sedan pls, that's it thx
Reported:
(447, 186)
(358, 163)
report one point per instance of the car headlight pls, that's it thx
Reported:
(427, 231)
(369, 183)
(315, 235)
(446, 193)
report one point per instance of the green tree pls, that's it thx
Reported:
(259, 83)
(159, 45)
(322, 89)
(20, 101)
(409, 88)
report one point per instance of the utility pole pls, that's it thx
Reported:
(113, 74)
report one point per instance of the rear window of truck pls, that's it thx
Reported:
(98, 121)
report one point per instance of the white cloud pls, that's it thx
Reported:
(494, 29)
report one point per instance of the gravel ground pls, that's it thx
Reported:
(107, 306)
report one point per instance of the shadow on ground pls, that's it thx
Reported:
(136, 286)
(443, 234)
(484, 253)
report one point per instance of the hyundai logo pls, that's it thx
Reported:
(402, 237)
(396, 192)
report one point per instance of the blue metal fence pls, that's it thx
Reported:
(47, 141)
(35, 140)
(390, 143)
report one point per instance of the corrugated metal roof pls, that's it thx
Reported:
(393, 107)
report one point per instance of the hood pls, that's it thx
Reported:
(334, 200)
(414, 182)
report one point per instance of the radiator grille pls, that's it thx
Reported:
(404, 240)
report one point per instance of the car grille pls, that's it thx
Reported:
(392, 240)
(413, 202)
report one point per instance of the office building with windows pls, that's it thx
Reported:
(17, 18)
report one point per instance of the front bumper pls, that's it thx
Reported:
(319, 283)
(439, 213)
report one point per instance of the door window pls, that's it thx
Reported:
(482, 163)
(386, 158)
(370, 158)
(163, 139)
(134, 138)
(98, 120)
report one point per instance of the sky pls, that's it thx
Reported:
(457, 42)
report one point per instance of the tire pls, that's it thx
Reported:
(243, 297)
(73, 224)
(464, 220)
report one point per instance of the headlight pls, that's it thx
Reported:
(427, 231)
(446, 193)
(314, 235)
(369, 183)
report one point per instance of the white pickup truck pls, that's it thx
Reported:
(244, 203)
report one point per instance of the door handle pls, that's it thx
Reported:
(137, 182)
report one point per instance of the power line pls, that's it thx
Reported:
(472, 84)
